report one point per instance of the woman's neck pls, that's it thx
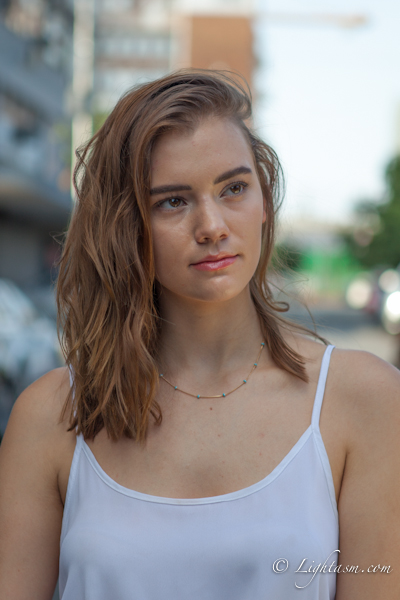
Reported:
(209, 339)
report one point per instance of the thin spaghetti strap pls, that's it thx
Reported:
(319, 396)
(71, 378)
(71, 381)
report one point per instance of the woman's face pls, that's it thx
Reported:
(206, 200)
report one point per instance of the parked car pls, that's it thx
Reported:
(29, 346)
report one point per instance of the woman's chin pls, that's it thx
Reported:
(206, 295)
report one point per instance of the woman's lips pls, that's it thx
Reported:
(215, 265)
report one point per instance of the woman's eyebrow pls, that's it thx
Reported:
(232, 173)
(164, 189)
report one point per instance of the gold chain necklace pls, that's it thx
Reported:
(220, 395)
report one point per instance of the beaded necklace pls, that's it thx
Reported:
(223, 395)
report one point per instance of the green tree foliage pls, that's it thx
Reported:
(375, 241)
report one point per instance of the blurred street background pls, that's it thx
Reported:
(324, 78)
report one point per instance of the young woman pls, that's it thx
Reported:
(206, 449)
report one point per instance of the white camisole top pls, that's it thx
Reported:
(276, 539)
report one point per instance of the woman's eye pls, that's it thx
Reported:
(172, 203)
(236, 188)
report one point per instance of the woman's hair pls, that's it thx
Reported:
(106, 294)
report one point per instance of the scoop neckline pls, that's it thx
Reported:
(251, 489)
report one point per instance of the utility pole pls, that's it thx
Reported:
(82, 75)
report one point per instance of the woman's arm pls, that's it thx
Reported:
(30, 505)
(369, 502)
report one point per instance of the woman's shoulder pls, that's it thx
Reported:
(41, 403)
(353, 369)
(35, 426)
(368, 389)
(364, 388)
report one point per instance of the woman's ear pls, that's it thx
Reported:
(264, 210)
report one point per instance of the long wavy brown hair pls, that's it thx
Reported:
(108, 312)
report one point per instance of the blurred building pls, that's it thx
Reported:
(132, 45)
(222, 42)
(34, 137)
(215, 34)
(136, 41)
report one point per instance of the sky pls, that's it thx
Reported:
(329, 102)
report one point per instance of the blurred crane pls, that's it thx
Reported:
(344, 21)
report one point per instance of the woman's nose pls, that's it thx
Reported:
(209, 221)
